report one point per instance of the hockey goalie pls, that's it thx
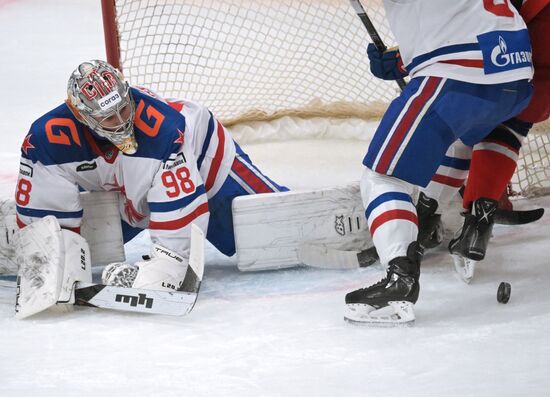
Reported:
(166, 165)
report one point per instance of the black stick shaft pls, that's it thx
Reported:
(373, 33)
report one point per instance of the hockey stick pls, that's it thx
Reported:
(514, 217)
(323, 257)
(177, 303)
(373, 33)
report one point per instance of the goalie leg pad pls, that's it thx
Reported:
(8, 229)
(51, 261)
(270, 228)
(101, 226)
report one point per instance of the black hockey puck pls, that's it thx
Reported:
(504, 291)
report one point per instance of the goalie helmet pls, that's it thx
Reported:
(99, 97)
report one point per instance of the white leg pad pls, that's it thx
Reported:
(8, 228)
(101, 227)
(51, 260)
(270, 228)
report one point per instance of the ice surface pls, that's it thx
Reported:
(277, 333)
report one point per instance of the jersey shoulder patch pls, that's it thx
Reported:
(159, 128)
(56, 138)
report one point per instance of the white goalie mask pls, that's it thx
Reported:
(99, 97)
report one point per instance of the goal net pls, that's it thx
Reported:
(261, 60)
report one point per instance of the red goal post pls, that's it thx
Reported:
(253, 60)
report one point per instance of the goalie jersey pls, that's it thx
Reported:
(184, 156)
(476, 41)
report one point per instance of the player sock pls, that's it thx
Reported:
(497, 152)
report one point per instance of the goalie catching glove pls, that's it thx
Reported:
(164, 271)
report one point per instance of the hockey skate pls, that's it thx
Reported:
(389, 302)
(430, 227)
(471, 244)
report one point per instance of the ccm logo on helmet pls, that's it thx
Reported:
(110, 100)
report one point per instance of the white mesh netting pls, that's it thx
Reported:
(263, 59)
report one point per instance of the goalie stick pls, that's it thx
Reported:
(373, 33)
(177, 303)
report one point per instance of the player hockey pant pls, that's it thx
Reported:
(411, 141)
(243, 179)
(484, 170)
(494, 159)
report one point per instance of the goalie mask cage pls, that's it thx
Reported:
(259, 60)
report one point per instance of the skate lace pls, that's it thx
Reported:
(380, 283)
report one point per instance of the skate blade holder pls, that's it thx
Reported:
(397, 313)
(465, 268)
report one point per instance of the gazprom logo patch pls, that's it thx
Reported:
(500, 56)
(504, 50)
(109, 100)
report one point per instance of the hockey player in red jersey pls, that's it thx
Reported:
(172, 163)
(470, 66)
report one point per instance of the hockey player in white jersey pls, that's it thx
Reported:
(492, 162)
(172, 163)
(470, 64)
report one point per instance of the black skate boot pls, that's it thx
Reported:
(391, 300)
(471, 244)
(430, 227)
(476, 231)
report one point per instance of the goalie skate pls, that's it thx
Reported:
(397, 313)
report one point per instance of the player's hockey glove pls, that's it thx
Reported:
(386, 65)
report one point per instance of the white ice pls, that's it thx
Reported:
(277, 333)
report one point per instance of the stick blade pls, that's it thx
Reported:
(134, 299)
(507, 217)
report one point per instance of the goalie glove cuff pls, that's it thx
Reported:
(164, 271)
